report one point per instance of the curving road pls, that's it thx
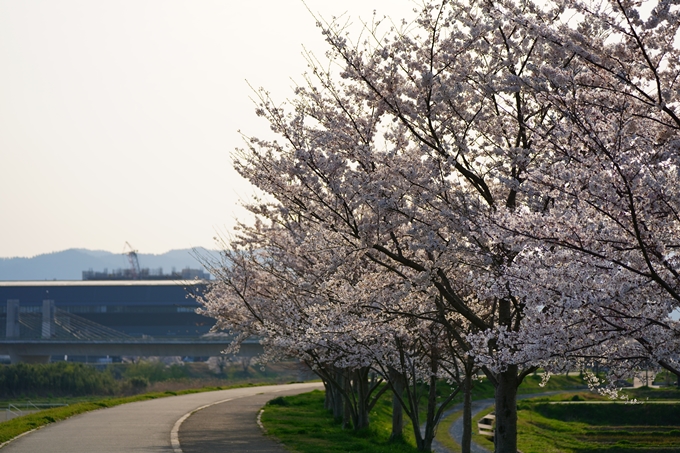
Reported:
(146, 426)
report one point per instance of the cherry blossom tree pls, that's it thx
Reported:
(611, 188)
(274, 293)
(458, 158)
(403, 159)
(344, 323)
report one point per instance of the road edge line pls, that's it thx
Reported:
(5, 443)
(259, 421)
(174, 433)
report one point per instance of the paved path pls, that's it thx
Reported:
(229, 427)
(456, 428)
(145, 426)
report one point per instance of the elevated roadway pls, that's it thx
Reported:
(38, 350)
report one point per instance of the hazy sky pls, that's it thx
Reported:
(117, 118)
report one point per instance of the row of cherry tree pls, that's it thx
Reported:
(492, 187)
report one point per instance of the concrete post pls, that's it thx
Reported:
(12, 330)
(48, 324)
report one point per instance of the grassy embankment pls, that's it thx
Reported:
(303, 425)
(585, 422)
(484, 390)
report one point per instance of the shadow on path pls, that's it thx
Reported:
(230, 427)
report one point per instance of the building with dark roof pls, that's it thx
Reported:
(140, 308)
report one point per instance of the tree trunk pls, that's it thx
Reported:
(429, 420)
(338, 403)
(361, 385)
(347, 418)
(328, 397)
(505, 436)
(466, 441)
(336, 396)
(398, 383)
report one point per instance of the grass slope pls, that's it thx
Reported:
(605, 427)
(304, 426)
(589, 423)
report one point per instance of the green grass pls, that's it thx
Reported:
(531, 384)
(604, 427)
(609, 427)
(304, 426)
(484, 390)
(19, 425)
(647, 393)
(443, 436)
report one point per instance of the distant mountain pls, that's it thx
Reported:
(70, 264)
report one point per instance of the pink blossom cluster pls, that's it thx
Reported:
(494, 187)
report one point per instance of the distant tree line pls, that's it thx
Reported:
(55, 379)
(77, 379)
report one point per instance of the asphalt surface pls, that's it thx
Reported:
(231, 426)
(146, 426)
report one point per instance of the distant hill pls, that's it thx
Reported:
(70, 264)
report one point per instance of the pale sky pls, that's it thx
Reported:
(118, 118)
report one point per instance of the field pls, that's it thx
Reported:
(570, 424)
(599, 427)
(302, 424)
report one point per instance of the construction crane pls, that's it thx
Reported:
(132, 258)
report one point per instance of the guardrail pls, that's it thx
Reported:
(14, 410)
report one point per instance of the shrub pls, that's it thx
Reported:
(155, 371)
(54, 379)
(278, 401)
